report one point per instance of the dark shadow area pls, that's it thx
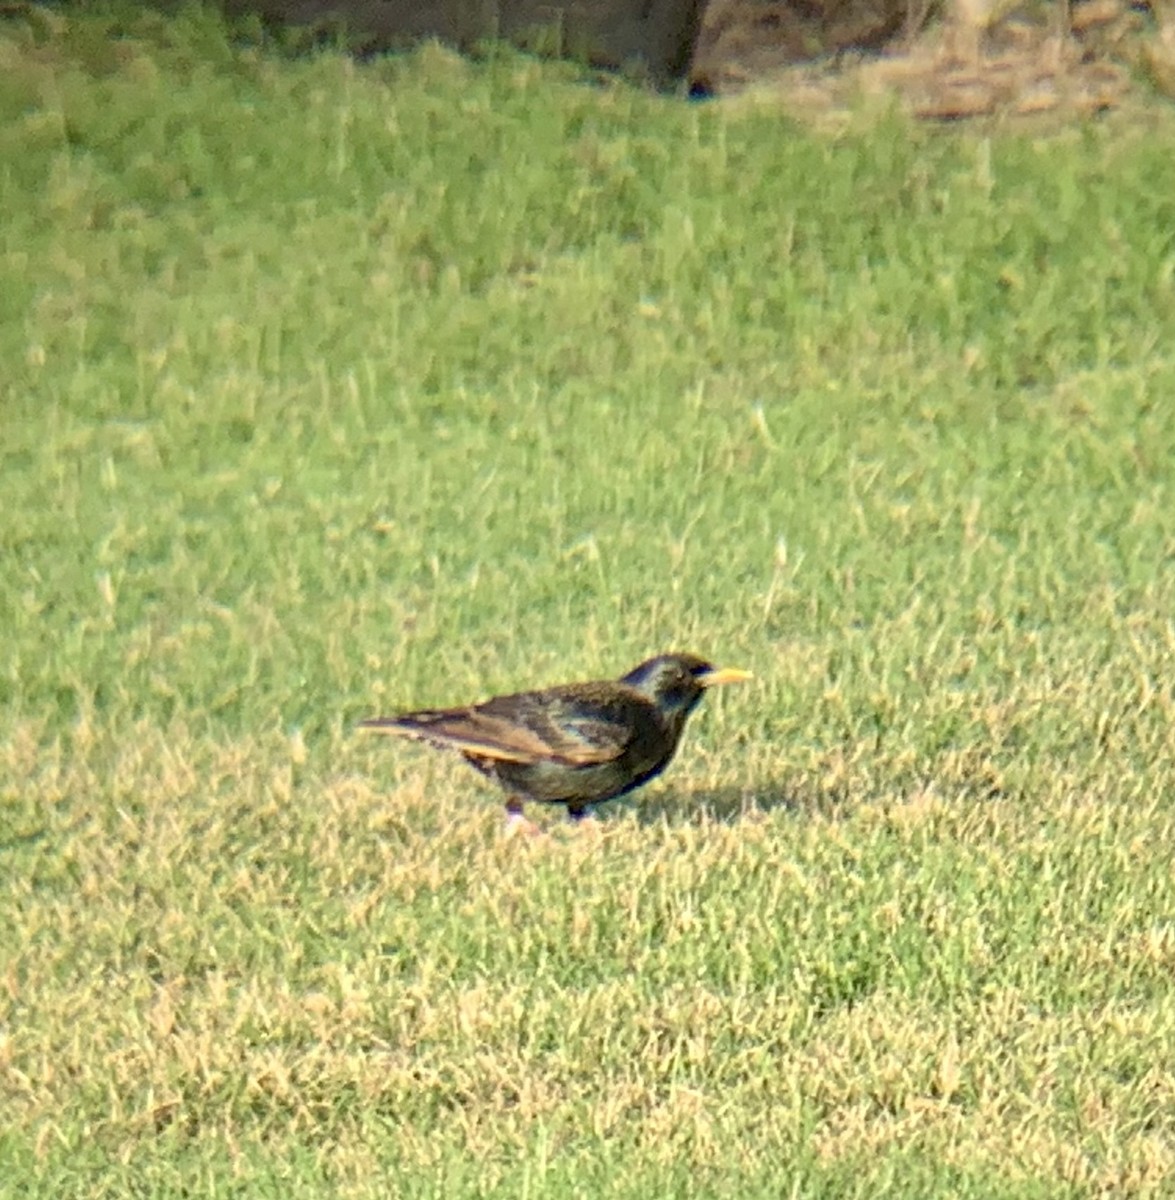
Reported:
(729, 805)
(646, 39)
(803, 797)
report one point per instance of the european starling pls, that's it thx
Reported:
(577, 744)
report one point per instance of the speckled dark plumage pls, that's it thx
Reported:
(578, 744)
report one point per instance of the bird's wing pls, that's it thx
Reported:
(468, 730)
(528, 727)
(570, 727)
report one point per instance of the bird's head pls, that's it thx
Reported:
(675, 682)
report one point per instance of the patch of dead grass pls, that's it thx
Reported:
(976, 61)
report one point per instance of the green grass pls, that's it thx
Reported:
(331, 389)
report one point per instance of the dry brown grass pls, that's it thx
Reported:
(972, 60)
(213, 951)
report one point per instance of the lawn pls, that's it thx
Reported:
(333, 388)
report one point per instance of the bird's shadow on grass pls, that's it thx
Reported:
(730, 805)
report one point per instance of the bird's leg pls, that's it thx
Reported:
(517, 821)
(584, 819)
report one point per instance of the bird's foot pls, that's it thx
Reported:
(520, 825)
(584, 825)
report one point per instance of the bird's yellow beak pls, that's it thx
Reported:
(721, 675)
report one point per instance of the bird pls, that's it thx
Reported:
(577, 744)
